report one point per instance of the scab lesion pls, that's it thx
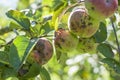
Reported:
(62, 40)
(89, 24)
(92, 8)
(83, 24)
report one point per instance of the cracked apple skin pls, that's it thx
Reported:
(81, 24)
(87, 45)
(64, 41)
(101, 9)
(42, 51)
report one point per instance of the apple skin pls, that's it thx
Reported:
(64, 41)
(87, 45)
(101, 9)
(81, 24)
(42, 52)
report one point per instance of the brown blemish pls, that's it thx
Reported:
(92, 8)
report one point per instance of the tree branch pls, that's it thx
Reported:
(117, 42)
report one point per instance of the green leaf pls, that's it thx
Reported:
(56, 14)
(48, 2)
(46, 27)
(5, 30)
(13, 25)
(19, 51)
(33, 71)
(20, 18)
(59, 4)
(112, 63)
(44, 74)
(23, 4)
(58, 54)
(101, 34)
(8, 72)
(29, 48)
(4, 57)
(12, 78)
(106, 50)
(63, 58)
(73, 1)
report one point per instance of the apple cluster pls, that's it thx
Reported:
(82, 25)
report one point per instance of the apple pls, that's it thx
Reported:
(42, 51)
(81, 24)
(86, 45)
(65, 41)
(101, 9)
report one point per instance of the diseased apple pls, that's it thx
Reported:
(42, 51)
(65, 41)
(101, 9)
(87, 45)
(81, 24)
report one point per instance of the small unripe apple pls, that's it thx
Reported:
(87, 45)
(42, 51)
(81, 24)
(101, 9)
(65, 41)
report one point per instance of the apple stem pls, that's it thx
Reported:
(117, 42)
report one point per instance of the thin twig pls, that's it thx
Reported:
(117, 42)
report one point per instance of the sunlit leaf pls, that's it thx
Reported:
(17, 51)
(55, 19)
(23, 4)
(106, 50)
(20, 50)
(20, 18)
(46, 27)
(47, 2)
(59, 4)
(13, 25)
(64, 20)
(44, 74)
(12, 78)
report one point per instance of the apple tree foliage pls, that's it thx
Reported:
(49, 19)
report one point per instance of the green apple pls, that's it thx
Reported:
(65, 41)
(81, 24)
(87, 45)
(101, 9)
